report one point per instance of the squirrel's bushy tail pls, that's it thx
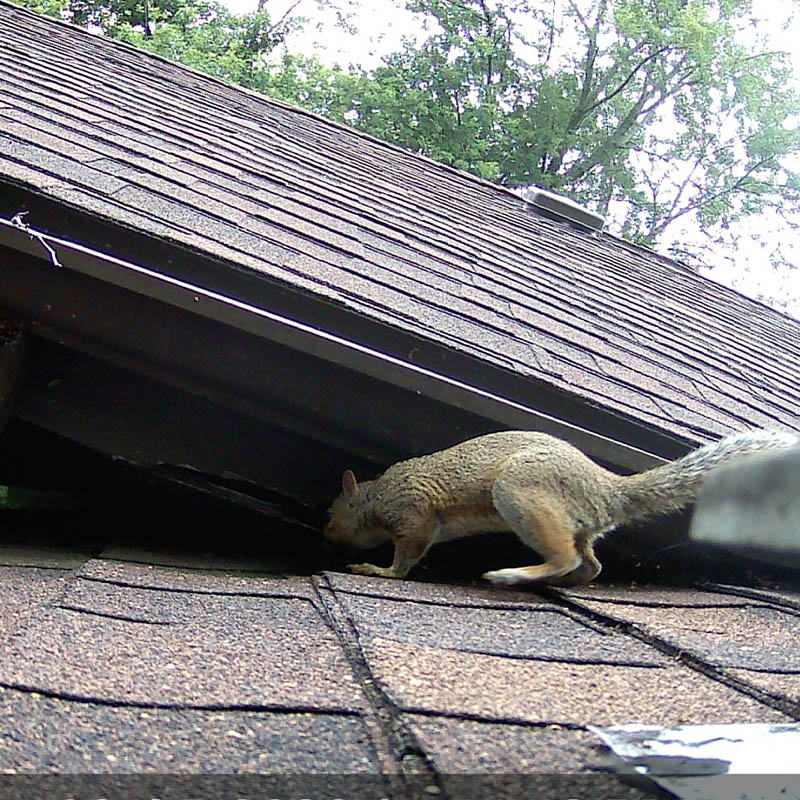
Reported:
(674, 485)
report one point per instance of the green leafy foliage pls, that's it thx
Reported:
(648, 110)
(203, 34)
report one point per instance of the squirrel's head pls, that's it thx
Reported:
(349, 524)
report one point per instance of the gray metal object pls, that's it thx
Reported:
(753, 505)
(710, 762)
(564, 208)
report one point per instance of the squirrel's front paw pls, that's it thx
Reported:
(371, 569)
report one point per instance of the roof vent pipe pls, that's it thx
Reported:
(557, 206)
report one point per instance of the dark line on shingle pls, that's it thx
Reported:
(396, 738)
(111, 703)
(766, 670)
(490, 719)
(235, 571)
(780, 703)
(600, 662)
(176, 590)
(615, 601)
(40, 566)
(489, 604)
(106, 615)
(783, 604)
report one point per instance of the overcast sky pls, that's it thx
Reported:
(382, 24)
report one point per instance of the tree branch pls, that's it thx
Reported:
(551, 37)
(702, 199)
(627, 80)
(254, 31)
(588, 70)
(612, 142)
(262, 4)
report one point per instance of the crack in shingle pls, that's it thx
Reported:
(180, 590)
(106, 615)
(767, 599)
(493, 720)
(719, 674)
(5, 565)
(271, 708)
(403, 760)
(488, 605)
(600, 662)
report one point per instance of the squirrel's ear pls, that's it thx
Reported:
(349, 483)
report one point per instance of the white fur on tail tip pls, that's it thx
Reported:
(507, 577)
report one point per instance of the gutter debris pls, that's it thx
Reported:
(18, 221)
(710, 762)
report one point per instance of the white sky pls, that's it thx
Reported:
(381, 26)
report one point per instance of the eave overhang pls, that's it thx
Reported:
(378, 407)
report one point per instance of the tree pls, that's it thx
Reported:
(652, 111)
(203, 34)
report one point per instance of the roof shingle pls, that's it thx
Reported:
(136, 660)
(384, 233)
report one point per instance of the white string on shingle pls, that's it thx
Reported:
(18, 221)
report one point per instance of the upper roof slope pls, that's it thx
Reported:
(392, 236)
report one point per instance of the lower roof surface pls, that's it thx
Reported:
(149, 634)
(124, 660)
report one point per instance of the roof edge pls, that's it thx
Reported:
(509, 193)
(314, 341)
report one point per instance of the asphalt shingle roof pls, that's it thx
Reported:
(383, 233)
(127, 666)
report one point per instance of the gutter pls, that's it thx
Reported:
(398, 372)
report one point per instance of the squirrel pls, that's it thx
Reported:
(552, 496)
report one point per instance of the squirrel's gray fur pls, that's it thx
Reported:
(555, 498)
(674, 485)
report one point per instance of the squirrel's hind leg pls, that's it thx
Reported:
(540, 521)
(586, 572)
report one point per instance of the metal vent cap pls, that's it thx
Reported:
(561, 207)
